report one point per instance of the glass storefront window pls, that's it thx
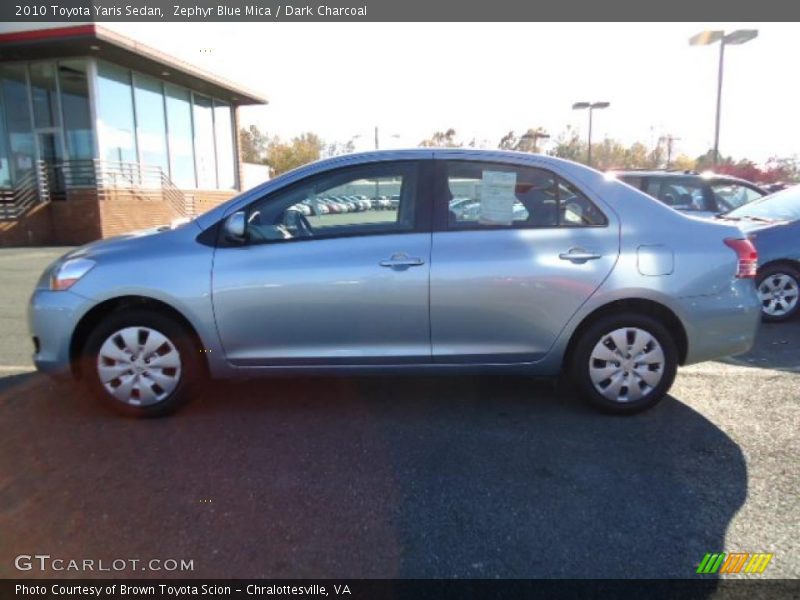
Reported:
(179, 126)
(223, 128)
(150, 121)
(5, 165)
(115, 113)
(45, 111)
(21, 148)
(44, 95)
(73, 81)
(204, 153)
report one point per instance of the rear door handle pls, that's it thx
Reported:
(579, 255)
(401, 260)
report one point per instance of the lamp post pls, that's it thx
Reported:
(734, 38)
(592, 106)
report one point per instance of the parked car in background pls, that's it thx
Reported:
(773, 224)
(590, 278)
(704, 195)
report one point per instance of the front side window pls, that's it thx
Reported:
(495, 195)
(365, 200)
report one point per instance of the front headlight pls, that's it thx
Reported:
(65, 275)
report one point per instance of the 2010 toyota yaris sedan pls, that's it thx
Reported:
(489, 261)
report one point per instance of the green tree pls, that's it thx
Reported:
(254, 144)
(527, 142)
(301, 150)
(569, 145)
(442, 139)
(338, 148)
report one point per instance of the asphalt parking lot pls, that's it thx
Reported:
(417, 477)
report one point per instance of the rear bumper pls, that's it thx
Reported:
(52, 318)
(721, 325)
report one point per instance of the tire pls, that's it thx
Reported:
(778, 287)
(160, 380)
(601, 374)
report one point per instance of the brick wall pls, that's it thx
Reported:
(77, 220)
(83, 218)
(35, 229)
(208, 199)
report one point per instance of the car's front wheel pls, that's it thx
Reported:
(778, 289)
(140, 362)
(625, 364)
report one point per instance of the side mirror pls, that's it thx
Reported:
(236, 227)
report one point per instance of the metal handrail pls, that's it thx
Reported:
(109, 179)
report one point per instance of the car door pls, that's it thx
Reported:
(329, 289)
(507, 274)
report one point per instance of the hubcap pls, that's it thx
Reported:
(139, 366)
(626, 364)
(778, 294)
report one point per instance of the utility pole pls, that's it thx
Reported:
(669, 139)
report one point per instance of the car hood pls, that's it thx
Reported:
(130, 242)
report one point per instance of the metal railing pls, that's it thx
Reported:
(30, 187)
(108, 180)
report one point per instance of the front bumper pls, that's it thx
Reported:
(52, 319)
(721, 325)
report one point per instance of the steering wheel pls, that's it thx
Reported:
(303, 226)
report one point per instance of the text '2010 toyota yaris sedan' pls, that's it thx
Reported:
(490, 261)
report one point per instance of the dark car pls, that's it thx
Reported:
(773, 224)
(704, 195)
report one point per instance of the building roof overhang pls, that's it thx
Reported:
(95, 41)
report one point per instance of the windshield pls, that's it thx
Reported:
(783, 206)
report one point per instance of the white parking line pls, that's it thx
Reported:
(17, 369)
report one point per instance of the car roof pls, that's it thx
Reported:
(679, 173)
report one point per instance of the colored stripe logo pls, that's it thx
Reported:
(735, 562)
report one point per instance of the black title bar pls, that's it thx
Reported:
(195, 11)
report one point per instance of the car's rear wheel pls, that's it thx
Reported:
(778, 289)
(140, 362)
(625, 364)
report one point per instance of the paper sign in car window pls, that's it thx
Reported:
(497, 197)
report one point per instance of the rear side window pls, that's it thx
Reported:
(679, 193)
(490, 195)
(632, 180)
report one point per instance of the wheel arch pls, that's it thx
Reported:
(790, 262)
(638, 306)
(98, 312)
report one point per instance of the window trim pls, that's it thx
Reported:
(421, 201)
(441, 221)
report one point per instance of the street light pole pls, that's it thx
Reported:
(591, 106)
(734, 38)
(719, 99)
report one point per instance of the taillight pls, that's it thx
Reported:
(747, 255)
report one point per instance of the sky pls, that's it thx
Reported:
(340, 80)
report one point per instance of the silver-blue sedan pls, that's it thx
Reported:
(773, 225)
(557, 269)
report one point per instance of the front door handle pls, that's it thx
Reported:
(401, 260)
(579, 255)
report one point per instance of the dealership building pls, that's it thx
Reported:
(100, 135)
